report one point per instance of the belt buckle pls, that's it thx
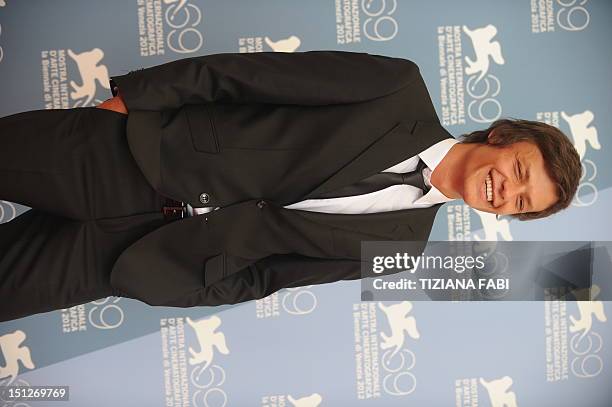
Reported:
(172, 211)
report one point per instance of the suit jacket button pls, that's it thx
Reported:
(261, 204)
(204, 198)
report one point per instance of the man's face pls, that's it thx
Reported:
(507, 180)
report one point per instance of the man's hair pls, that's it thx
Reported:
(561, 160)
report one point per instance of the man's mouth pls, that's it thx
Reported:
(489, 187)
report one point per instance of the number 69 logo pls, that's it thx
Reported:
(570, 13)
(586, 186)
(183, 17)
(373, 9)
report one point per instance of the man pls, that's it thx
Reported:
(271, 168)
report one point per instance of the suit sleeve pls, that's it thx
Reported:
(300, 78)
(268, 275)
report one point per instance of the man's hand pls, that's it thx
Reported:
(115, 104)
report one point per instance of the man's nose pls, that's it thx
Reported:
(511, 188)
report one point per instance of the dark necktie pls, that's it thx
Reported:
(380, 181)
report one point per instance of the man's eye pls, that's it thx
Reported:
(521, 204)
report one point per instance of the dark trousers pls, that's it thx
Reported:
(89, 202)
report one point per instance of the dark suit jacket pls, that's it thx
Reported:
(254, 132)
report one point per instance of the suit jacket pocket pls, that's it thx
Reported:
(201, 127)
(223, 265)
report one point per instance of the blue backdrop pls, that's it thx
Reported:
(545, 60)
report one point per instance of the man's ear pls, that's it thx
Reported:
(491, 138)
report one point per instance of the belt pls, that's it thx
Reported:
(174, 209)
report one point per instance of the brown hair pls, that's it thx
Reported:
(561, 160)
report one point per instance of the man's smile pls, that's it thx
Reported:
(487, 189)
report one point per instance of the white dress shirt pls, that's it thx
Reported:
(392, 198)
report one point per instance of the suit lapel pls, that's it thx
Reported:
(404, 140)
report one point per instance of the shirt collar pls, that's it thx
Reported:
(432, 157)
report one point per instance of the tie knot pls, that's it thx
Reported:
(416, 178)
